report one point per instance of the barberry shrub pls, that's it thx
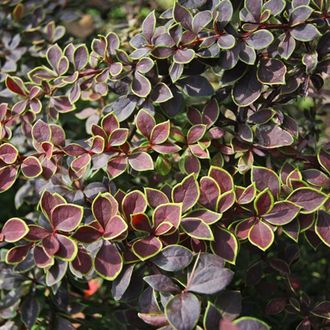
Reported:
(175, 176)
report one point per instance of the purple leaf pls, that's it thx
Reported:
(271, 71)
(209, 217)
(173, 258)
(195, 133)
(141, 222)
(226, 201)
(83, 262)
(145, 123)
(184, 56)
(261, 235)
(209, 192)
(108, 262)
(17, 254)
(134, 202)
(196, 228)
(308, 199)
(141, 86)
(8, 176)
(170, 213)
(282, 213)
(67, 248)
(115, 227)
(141, 161)
(145, 248)
(117, 165)
(186, 192)
(49, 201)
(265, 178)
(264, 202)
(260, 39)
(66, 217)
(8, 153)
(322, 227)
(31, 167)
(222, 177)
(87, 234)
(272, 136)
(225, 244)
(155, 197)
(161, 283)
(250, 323)
(104, 207)
(183, 311)
(14, 230)
(160, 133)
(210, 275)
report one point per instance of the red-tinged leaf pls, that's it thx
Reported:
(183, 311)
(197, 228)
(155, 197)
(41, 258)
(209, 217)
(146, 248)
(210, 112)
(305, 221)
(49, 201)
(141, 222)
(118, 137)
(226, 201)
(199, 151)
(163, 229)
(261, 235)
(308, 199)
(243, 228)
(81, 162)
(104, 207)
(264, 202)
(66, 217)
(87, 234)
(195, 133)
(8, 153)
(170, 213)
(192, 164)
(67, 248)
(8, 176)
(265, 178)
(54, 54)
(97, 144)
(114, 228)
(209, 192)
(83, 262)
(41, 132)
(17, 254)
(222, 177)
(16, 85)
(134, 202)
(322, 227)
(166, 148)
(31, 167)
(117, 166)
(246, 195)
(14, 230)
(227, 325)
(108, 262)
(145, 122)
(141, 85)
(225, 244)
(186, 192)
(160, 282)
(141, 161)
(154, 319)
(316, 178)
(282, 213)
(74, 150)
(160, 133)
(51, 244)
(36, 233)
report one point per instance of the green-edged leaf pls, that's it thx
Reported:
(322, 227)
(282, 213)
(146, 248)
(308, 198)
(225, 244)
(14, 230)
(197, 228)
(261, 235)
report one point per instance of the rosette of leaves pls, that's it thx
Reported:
(109, 226)
(50, 238)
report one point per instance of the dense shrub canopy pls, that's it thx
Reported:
(165, 169)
